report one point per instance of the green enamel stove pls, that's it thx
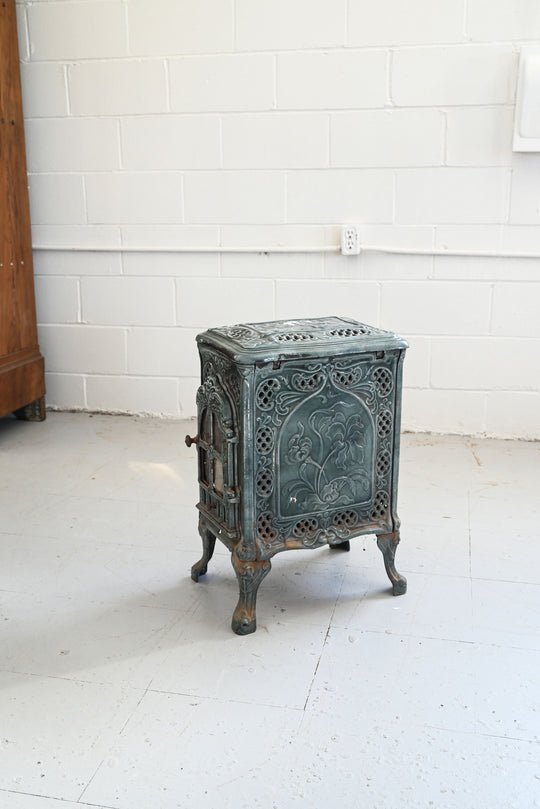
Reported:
(298, 444)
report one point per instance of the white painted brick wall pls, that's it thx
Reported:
(485, 363)
(416, 369)
(263, 25)
(284, 235)
(225, 82)
(331, 80)
(276, 141)
(352, 195)
(321, 298)
(273, 122)
(83, 350)
(387, 138)
(118, 87)
(77, 30)
(392, 22)
(66, 391)
(148, 395)
(425, 307)
(273, 265)
(234, 197)
(512, 414)
(44, 89)
(444, 410)
(170, 27)
(456, 75)
(155, 351)
(130, 301)
(516, 302)
(133, 197)
(58, 299)
(67, 191)
(174, 236)
(479, 136)
(451, 195)
(72, 144)
(175, 265)
(62, 263)
(488, 21)
(171, 142)
(206, 302)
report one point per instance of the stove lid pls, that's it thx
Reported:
(311, 337)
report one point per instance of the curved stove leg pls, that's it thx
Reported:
(209, 543)
(388, 544)
(249, 574)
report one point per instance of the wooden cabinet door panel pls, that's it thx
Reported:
(21, 364)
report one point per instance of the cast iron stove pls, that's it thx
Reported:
(298, 443)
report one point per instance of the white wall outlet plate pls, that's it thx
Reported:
(350, 240)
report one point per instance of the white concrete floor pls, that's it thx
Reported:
(122, 684)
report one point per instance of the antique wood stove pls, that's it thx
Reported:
(298, 443)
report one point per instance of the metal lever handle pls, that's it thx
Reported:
(190, 440)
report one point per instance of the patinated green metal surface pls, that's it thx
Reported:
(298, 443)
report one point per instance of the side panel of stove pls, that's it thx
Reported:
(325, 438)
(219, 419)
(397, 437)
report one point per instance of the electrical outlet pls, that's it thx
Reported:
(350, 240)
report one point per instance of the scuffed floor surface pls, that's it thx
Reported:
(122, 685)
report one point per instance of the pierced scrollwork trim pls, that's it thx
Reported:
(384, 379)
(265, 439)
(320, 529)
(323, 329)
(224, 373)
(211, 395)
(308, 382)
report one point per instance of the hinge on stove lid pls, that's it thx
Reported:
(232, 495)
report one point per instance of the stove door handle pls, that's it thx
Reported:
(190, 440)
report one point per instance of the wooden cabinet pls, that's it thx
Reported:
(22, 385)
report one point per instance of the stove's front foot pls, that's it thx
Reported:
(249, 574)
(388, 544)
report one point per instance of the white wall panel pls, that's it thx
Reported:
(271, 123)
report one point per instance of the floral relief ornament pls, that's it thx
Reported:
(330, 459)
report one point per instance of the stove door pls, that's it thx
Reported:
(324, 440)
(217, 442)
(325, 454)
